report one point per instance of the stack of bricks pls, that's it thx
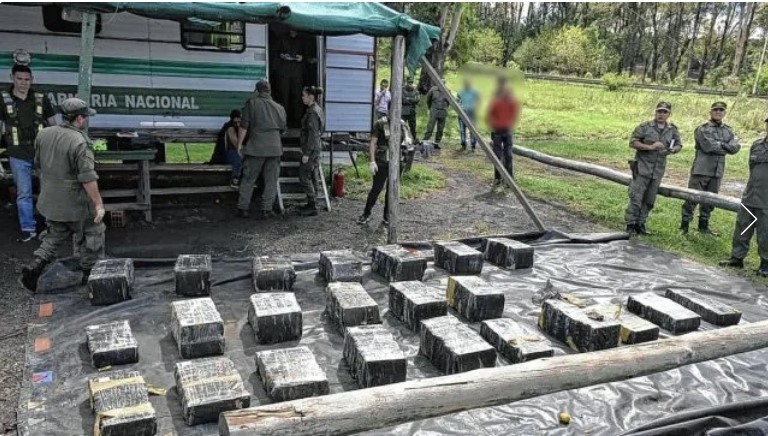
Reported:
(453, 347)
(340, 266)
(581, 329)
(111, 281)
(193, 275)
(111, 344)
(291, 374)
(273, 274)
(396, 264)
(413, 301)
(474, 298)
(458, 258)
(711, 311)
(507, 253)
(663, 312)
(373, 356)
(197, 328)
(348, 304)
(275, 317)
(208, 387)
(515, 341)
(120, 401)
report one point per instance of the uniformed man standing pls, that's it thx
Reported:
(290, 74)
(264, 121)
(714, 140)
(410, 102)
(24, 113)
(755, 198)
(69, 192)
(654, 141)
(437, 102)
(311, 146)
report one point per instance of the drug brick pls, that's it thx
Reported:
(340, 266)
(197, 328)
(458, 258)
(474, 298)
(581, 329)
(453, 347)
(413, 301)
(121, 404)
(273, 274)
(111, 344)
(396, 264)
(348, 304)
(373, 356)
(663, 312)
(710, 310)
(515, 341)
(634, 329)
(111, 281)
(291, 374)
(193, 275)
(208, 387)
(275, 317)
(507, 253)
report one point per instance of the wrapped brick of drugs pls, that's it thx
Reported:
(208, 387)
(373, 356)
(275, 317)
(508, 253)
(197, 328)
(634, 329)
(663, 312)
(458, 258)
(413, 301)
(111, 344)
(348, 304)
(515, 341)
(273, 273)
(111, 281)
(396, 264)
(121, 404)
(291, 374)
(581, 329)
(193, 275)
(340, 266)
(454, 347)
(710, 310)
(474, 298)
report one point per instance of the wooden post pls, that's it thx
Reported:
(383, 406)
(87, 35)
(484, 145)
(395, 135)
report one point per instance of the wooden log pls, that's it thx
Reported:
(383, 406)
(396, 134)
(708, 198)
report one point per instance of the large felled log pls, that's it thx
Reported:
(393, 404)
(716, 200)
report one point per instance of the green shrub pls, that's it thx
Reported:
(615, 82)
(588, 75)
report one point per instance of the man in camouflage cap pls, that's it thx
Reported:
(755, 198)
(437, 102)
(653, 141)
(69, 192)
(714, 140)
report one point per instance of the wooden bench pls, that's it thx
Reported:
(143, 191)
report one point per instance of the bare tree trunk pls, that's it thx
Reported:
(741, 45)
(674, 52)
(705, 59)
(440, 49)
(695, 35)
(726, 29)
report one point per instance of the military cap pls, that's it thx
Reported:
(719, 105)
(263, 86)
(75, 106)
(664, 105)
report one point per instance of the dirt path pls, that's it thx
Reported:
(465, 207)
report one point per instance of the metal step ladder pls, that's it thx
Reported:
(288, 187)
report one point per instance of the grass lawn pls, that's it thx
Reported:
(415, 183)
(194, 153)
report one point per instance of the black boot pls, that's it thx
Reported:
(86, 275)
(643, 230)
(732, 263)
(704, 228)
(309, 209)
(684, 226)
(631, 230)
(763, 270)
(31, 272)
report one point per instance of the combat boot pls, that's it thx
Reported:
(763, 270)
(643, 230)
(732, 263)
(631, 230)
(704, 228)
(31, 272)
(684, 227)
(309, 209)
(86, 276)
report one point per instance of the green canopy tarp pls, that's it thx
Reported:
(373, 19)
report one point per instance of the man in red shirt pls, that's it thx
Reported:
(503, 113)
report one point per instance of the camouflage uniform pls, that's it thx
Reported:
(410, 101)
(311, 130)
(648, 170)
(437, 102)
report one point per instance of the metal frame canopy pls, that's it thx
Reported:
(336, 18)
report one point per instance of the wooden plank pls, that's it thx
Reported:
(138, 155)
(117, 193)
(85, 75)
(389, 405)
(125, 206)
(395, 123)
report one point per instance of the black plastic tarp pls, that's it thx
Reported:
(54, 398)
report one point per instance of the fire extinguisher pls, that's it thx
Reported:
(338, 184)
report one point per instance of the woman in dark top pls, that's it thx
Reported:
(312, 124)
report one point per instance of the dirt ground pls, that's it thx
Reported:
(207, 225)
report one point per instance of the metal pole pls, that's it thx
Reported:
(484, 145)
(395, 135)
(87, 34)
(760, 64)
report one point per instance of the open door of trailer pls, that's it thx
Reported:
(350, 70)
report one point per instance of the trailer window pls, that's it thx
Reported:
(66, 20)
(229, 36)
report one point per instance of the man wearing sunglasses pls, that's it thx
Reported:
(653, 141)
(714, 140)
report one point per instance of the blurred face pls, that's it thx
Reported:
(81, 122)
(662, 115)
(236, 120)
(22, 81)
(717, 114)
(384, 85)
(307, 98)
(467, 85)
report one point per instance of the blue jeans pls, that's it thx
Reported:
(233, 158)
(502, 148)
(22, 177)
(463, 129)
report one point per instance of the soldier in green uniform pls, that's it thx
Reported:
(263, 121)
(69, 194)
(654, 141)
(755, 198)
(311, 129)
(437, 102)
(410, 101)
(714, 140)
